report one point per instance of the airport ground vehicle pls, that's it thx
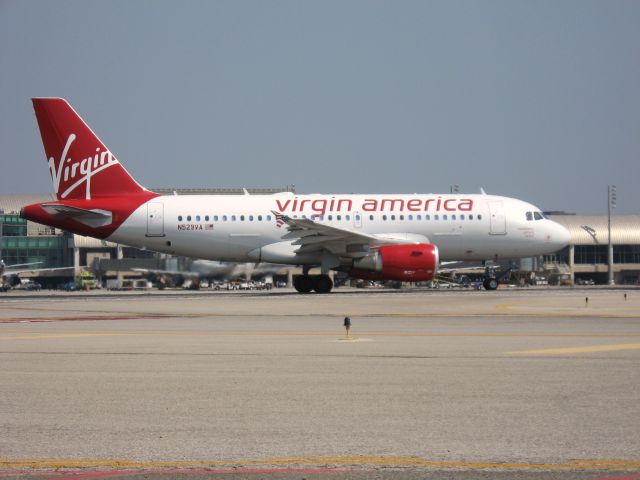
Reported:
(86, 281)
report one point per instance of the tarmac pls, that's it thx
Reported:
(539, 383)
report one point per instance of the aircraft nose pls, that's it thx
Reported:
(560, 235)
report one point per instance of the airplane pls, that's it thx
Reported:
(199, 270)
(373, 237)
(10, 274)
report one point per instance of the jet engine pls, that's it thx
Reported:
(408, 263)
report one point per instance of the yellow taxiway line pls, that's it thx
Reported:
(335, 461)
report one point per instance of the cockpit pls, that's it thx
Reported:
(533, 216)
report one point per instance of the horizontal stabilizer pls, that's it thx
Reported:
(92, 218)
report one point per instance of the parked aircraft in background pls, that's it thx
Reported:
(199, 270)
(377, 237)
(10, 274)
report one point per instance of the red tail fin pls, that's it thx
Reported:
(81, 166)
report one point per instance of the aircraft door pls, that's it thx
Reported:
(498, 219)
(357, 219)
(155, 219)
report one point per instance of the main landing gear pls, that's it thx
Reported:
(318, 283)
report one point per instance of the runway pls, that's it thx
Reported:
(513, 384)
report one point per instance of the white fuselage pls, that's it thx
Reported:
(243, 228)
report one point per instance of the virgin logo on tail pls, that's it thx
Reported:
(79, 172)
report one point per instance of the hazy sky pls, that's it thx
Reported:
(538, 100)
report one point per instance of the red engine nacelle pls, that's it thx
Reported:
(407, 263)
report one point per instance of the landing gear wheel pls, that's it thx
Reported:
(490, 284)
(303, 283)
(322, 284)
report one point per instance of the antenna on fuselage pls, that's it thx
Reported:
(482, 191)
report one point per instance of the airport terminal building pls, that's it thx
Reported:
(585, 260)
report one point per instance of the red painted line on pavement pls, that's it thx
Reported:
(92, 475)
(82, 318)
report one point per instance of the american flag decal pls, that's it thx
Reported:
(208, 226)
(280, 218)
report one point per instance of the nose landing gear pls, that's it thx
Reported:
(490, 283)
(493, 276)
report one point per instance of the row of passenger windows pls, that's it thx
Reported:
(357, 217)
(225, 218)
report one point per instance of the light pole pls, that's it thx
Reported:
(611, 204)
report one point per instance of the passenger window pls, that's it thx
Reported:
(393, 217)
(347, 217)
(188, 218)
(479, 217)
(427, 217)
(268, 218)
(233, 218)
(370, 217)
(179, 218)
(418, 217)
(384, 217)
(259, 218)
(330, 217)
(453, 217)
(436, 217)
(409, 217)
(444, 217)
(197, 218)
(224, 218)
(338, 217)
(206, 218)
(251, 218)
(462, 217)
(215, 218)
(357, 217)
(470, 217)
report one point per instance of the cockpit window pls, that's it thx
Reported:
(537, 215)
(529, 216)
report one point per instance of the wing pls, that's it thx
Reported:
(11, 271)
(314, 237)
(185, 273)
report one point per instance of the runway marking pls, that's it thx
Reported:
(500, 312)
(79, 318)
(83, 475)
(589, 349)
(21, 335)
(324, 462)
(38, 336)
(628, 477)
